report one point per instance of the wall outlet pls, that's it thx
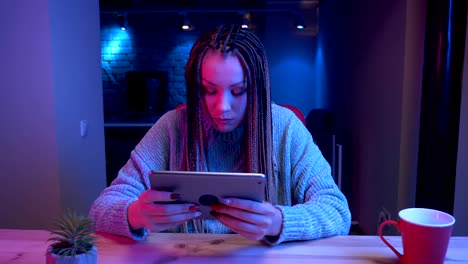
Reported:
(84, 128)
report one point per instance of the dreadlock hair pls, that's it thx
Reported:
(258, 143)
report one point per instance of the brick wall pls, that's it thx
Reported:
(146, 45)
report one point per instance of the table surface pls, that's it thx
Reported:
(29, 246)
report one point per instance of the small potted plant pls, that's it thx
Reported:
(74, 242)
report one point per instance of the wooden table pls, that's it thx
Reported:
(29, 246)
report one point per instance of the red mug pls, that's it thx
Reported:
(425, 235)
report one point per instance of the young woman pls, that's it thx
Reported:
(229, 125)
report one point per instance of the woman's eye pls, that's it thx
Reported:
(208, 91)
(239, 91)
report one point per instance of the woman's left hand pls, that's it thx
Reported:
(250, 219)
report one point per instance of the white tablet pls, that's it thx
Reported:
(205, 188)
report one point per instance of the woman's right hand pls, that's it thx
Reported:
(146, 212)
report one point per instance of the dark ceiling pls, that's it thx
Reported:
(181, 4)
(120, 5)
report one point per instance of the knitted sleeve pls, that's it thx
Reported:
(109, 210)
(318, 208)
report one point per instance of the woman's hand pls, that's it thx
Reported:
(146, 212)
(250, 219)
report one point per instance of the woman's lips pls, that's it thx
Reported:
(223, 121)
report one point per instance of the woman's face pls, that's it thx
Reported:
(224, 90)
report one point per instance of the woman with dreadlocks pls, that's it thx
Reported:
(229, 124)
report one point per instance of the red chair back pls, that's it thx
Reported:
(180, 106)
(296, 111)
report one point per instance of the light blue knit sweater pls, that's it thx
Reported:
(312, 205)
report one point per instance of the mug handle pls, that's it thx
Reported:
(396, 224)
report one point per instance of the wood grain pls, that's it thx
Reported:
(29, 246)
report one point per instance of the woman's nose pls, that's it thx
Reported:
(224, 102)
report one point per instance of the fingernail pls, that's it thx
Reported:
(197, 214)
(175, 196)
(215, 207)
(225, 201)
(194, 208)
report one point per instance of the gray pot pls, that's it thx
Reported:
(90, 258)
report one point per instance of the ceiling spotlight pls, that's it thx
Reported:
(185, 23)
(123, 26)
(245, 20)
(299, 22)
(122, 20)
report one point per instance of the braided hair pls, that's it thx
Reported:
(258, 143)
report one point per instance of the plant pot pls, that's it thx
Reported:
(86, 258)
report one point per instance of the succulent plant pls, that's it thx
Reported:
(73, 234)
